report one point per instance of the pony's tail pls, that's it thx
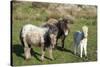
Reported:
(21, 38)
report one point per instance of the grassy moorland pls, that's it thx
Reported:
(28, 13)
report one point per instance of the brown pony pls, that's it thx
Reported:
(63, 28)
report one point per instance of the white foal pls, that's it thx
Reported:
(80, 41)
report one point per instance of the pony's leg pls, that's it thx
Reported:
(26, 49)
(56, 41)
(42, 56)
(50, 52)
(25, 42)
(27, 52)
(63, 39)
(43, 52)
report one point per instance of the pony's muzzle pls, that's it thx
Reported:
(66, 32)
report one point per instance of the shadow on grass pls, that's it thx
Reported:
(36, 54)
(19, 51)
(63, 49)
(84, 59)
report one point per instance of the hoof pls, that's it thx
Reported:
(86, 57)
(62, 49)
(42, 59)
(27, 59)
(75, 53)
(80, 56)
(52, 59)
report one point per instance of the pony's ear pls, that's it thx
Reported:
(64, 19)
(69, 19)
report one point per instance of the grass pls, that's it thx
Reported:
(24, 14)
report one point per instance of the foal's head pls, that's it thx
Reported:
(85, 31)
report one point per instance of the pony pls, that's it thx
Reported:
(32, 35)
(80, 41)
(62, 26)
(54, 30)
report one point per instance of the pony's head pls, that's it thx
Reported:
(51, 34)
(85, 31)
(53, 31)
(63, 26)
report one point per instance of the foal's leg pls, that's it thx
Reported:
(81, 49)
(85, 49)
(50, 52)
(75, 47)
